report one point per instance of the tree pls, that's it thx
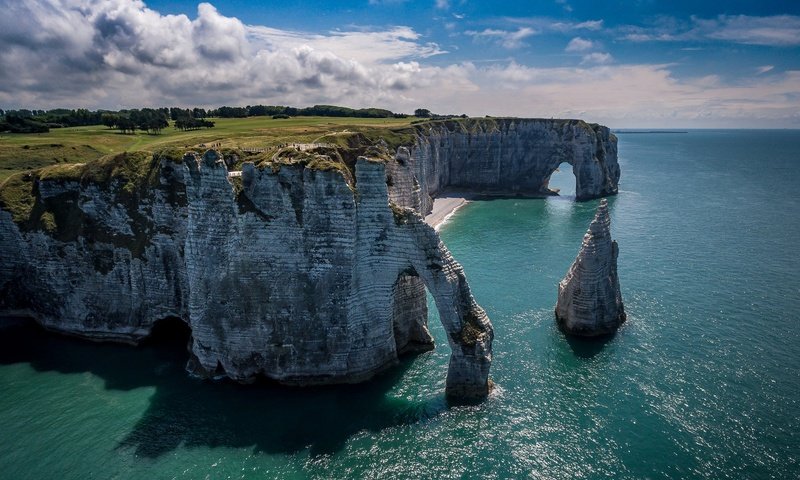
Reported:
(422, 113)
(189, 123)
(125, 124)
(156, 124)
(109, 119)
(176, 113)
(19, 124)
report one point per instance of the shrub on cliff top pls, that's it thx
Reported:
(17, 196)
(133, 169)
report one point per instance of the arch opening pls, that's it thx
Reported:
(562, 181)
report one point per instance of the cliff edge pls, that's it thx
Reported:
(307, 267)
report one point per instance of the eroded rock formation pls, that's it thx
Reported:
(513, 156)
(589, 299)
(304, 273)
(299, 275)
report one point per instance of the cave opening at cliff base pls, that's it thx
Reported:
(169, 332)
(563, 181)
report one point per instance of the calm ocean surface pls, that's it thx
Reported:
(701, 382)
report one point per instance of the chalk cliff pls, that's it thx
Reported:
(307, 272)
(513, 156)
(589, 297)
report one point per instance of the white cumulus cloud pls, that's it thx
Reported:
(506, 38)
(118, 53)
(121, 54)
(579, 44)
(775, 31)
(597, 57)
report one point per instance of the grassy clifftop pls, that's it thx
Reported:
(24, 152)
(80, 154)
(99, 155)
(491, 124)
(64, 146)
(19, 194)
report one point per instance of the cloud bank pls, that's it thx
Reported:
(119, 53)
(774, 31)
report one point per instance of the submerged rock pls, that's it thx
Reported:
(589, 299)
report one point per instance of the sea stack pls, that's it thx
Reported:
(589, 299)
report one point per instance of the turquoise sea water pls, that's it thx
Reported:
(701, 382)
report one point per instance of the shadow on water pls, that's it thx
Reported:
(194, 413)
(588, 347)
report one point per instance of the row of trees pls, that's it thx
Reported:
(127, 121)
(153, 120)
(189, 123)
(425, 113)
(316, 110)
(175, 113)
(37, 121)
(16, 124)
(319, 110)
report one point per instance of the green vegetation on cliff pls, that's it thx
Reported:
(22, 152)
(131, 173)
(323, 144)
(131, 169)
(17, 196)
(491, 124)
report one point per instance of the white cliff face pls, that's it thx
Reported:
(312, 282)
(296, 275)
(513, 156)
(589, 297)
(112, 268)
(302, 275)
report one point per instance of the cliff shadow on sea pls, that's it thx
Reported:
(188, 412)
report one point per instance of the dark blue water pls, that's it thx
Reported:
(701, 382)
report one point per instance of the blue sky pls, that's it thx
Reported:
(621, 63)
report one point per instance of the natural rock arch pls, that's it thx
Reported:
(417, 249)
(513, 157)
(289, 271)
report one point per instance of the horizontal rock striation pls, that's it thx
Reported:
(293, 273)
(306, 272)
(589, 298)
(513, 156)
(96, 258)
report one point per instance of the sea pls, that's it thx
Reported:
(701, 382)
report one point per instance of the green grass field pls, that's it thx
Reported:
(21, 152)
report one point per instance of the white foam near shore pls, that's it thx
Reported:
(444, 207)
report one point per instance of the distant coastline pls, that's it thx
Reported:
(650, 131)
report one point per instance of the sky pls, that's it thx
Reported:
(625, 64)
